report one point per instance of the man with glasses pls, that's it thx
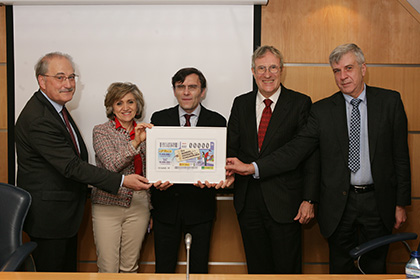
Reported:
(182, 208)
(361, 133)
(53, 167)
(271, 210)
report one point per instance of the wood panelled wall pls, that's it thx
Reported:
(306, 31)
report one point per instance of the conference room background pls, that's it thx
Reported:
(388, 31)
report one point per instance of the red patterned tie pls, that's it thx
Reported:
(66, 120)
(265, 119)
(187, 119)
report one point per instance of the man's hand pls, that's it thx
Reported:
(400, 216)
(306, 213)
(206, 184)
(162, 186)
(136, 182)
(234, 165)
(221, 185)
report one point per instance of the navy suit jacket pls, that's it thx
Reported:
(196, 205)
(50, 169)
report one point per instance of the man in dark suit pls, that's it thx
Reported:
(271, 210)
(361, 132)
(184, 208)
(53, 167)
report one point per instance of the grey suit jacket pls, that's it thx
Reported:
(388, 148)
(52, 172)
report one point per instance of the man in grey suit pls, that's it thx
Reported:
(53, 166)
(361, 132)
(271, 209)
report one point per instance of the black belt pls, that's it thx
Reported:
(362, 188)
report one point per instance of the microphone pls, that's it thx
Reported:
(188, 241)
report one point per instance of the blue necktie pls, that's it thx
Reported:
(354, 139)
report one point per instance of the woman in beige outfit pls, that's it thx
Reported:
(120, 221)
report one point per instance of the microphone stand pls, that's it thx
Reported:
(188, 240)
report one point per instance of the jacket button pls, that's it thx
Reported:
(344, 193)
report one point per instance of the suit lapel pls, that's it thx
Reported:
(51, 109)
(55, 115)
(82, 146)
(203, 117)
(374, 108)
(250, 117)
(339, 121)
(174, 117)
(281, 110)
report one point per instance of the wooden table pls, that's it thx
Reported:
(144, 276)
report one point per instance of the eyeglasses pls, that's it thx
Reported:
(188, 87)
(273, 69)
(63, 78)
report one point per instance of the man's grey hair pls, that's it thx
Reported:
(41, 67)
(261, 51)
(341, 50)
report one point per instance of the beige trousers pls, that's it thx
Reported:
(119, 233)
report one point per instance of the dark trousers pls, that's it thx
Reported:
(270, 247)
(55, 255)
(361, 222)
(168, 237)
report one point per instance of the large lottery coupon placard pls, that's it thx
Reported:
(186, 154)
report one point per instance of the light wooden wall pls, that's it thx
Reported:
(226, 244)
(306, 31)
(388, 32)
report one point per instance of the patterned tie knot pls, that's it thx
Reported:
(267, 102)
(355, 102)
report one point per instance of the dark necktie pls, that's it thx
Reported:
(354, 139)
(265, 119)
(187, 119)
(66, 120)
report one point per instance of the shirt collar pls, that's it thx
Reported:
(119, 125)
(274, 97)
(362, 96)
(196, 112)
(57, 107)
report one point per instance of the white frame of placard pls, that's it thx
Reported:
(187, 134)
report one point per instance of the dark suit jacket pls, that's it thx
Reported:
(50, 169)
(197, 205)
(388, 151)
(282, 193)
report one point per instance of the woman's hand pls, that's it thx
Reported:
(140, 133)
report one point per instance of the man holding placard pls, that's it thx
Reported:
(184, 208)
